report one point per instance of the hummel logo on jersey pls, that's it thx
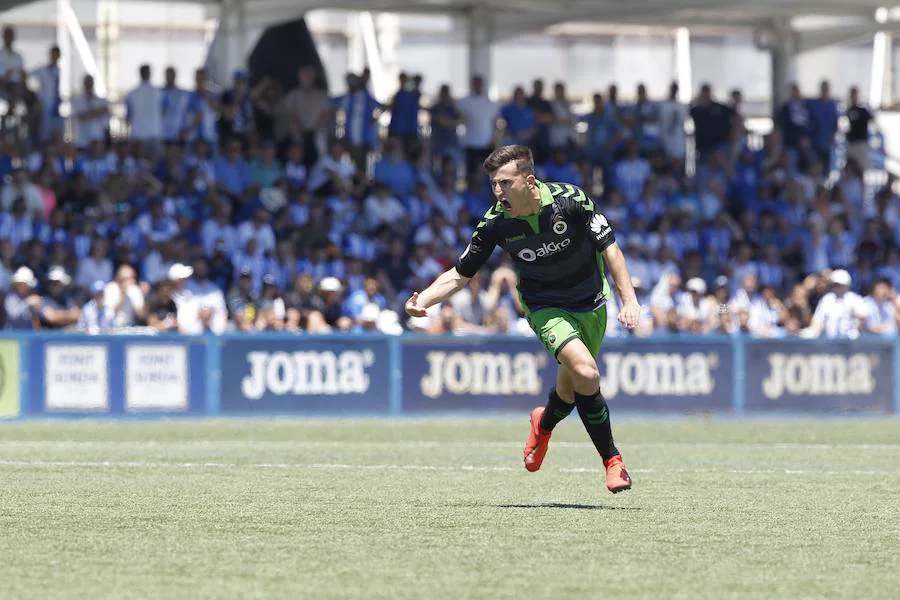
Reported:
(529, 255)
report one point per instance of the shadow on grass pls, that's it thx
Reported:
(569, 506)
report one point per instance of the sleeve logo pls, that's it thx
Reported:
(560, 227)
(600, 226)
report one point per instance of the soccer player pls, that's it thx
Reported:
(561, 246)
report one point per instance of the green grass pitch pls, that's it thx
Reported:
(431, 509)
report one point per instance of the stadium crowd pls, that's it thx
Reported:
(270, 209)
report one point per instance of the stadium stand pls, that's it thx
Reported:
(264, 208)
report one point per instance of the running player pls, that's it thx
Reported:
(561, 245)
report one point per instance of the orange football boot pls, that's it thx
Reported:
(538, 441)
(617, 478)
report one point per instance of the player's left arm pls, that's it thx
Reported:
(600, 232)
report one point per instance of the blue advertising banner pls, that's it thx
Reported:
(820, 376)
(683, 375)
(502, 374)
(294, 374)
(116, 375)
(472, 373)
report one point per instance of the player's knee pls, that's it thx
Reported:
(587, 376)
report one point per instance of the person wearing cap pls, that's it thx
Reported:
(59, 309)
(332, 291)
(367, 320)
(22, 307)
(243, 305)
(839, 312)
(693, 309)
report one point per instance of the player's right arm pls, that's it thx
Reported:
(457, 277)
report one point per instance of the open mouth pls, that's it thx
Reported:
(505, 203)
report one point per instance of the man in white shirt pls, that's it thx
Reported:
(880, 310)
(211, 311)
(11, 71)
(672, 115)
(90, 116)
(124, 298)
(259, 230)
(332, 170)
(20, 187)
(144, 104)
(49, 96)
(480, 116)
(839, 312)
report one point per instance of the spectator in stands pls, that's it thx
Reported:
(560, 129)
(394, 170)
(359, 109)
(694, 308)
(520, 120)
(22, 306)
(173, 103)
(859, 117)
(632, 173)
(560, 168)
(712, 122)
(543, 117)
(672, 116)
(840, 312)
(236, 111)
(125, 298)
(332, 171)
(232, 173)
(445, 118)
(90, 116)
(307, 106)
(405, 106)
(243, 305)
(823, 113)
(49, 97)
(200, 112)
(662, 302)
(602, 137)
(144, 110)
(95, 267)
(94, 317)
(643, 120)
(162, 311)
(58, 309)
(20, 189)
(212, 312)
(794, 121)
(12, 73)
(881, 309)
(480, 115)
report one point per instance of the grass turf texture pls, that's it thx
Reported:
(444, 509)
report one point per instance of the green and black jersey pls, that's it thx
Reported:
(557, 252)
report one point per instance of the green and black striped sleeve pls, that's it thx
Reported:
(598, 229)
(481, 246)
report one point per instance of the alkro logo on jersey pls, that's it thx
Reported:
(529, 255)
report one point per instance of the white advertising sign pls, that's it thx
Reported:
(156, 377)
(76, 378)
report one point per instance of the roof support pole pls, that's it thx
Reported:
(480, 36)
(782, 43)
(683, 65)
(881, 60)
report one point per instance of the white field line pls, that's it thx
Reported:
(18, 444)
(398, 467)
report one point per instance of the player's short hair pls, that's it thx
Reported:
(505, 154)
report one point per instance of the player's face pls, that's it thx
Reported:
(513, 188)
